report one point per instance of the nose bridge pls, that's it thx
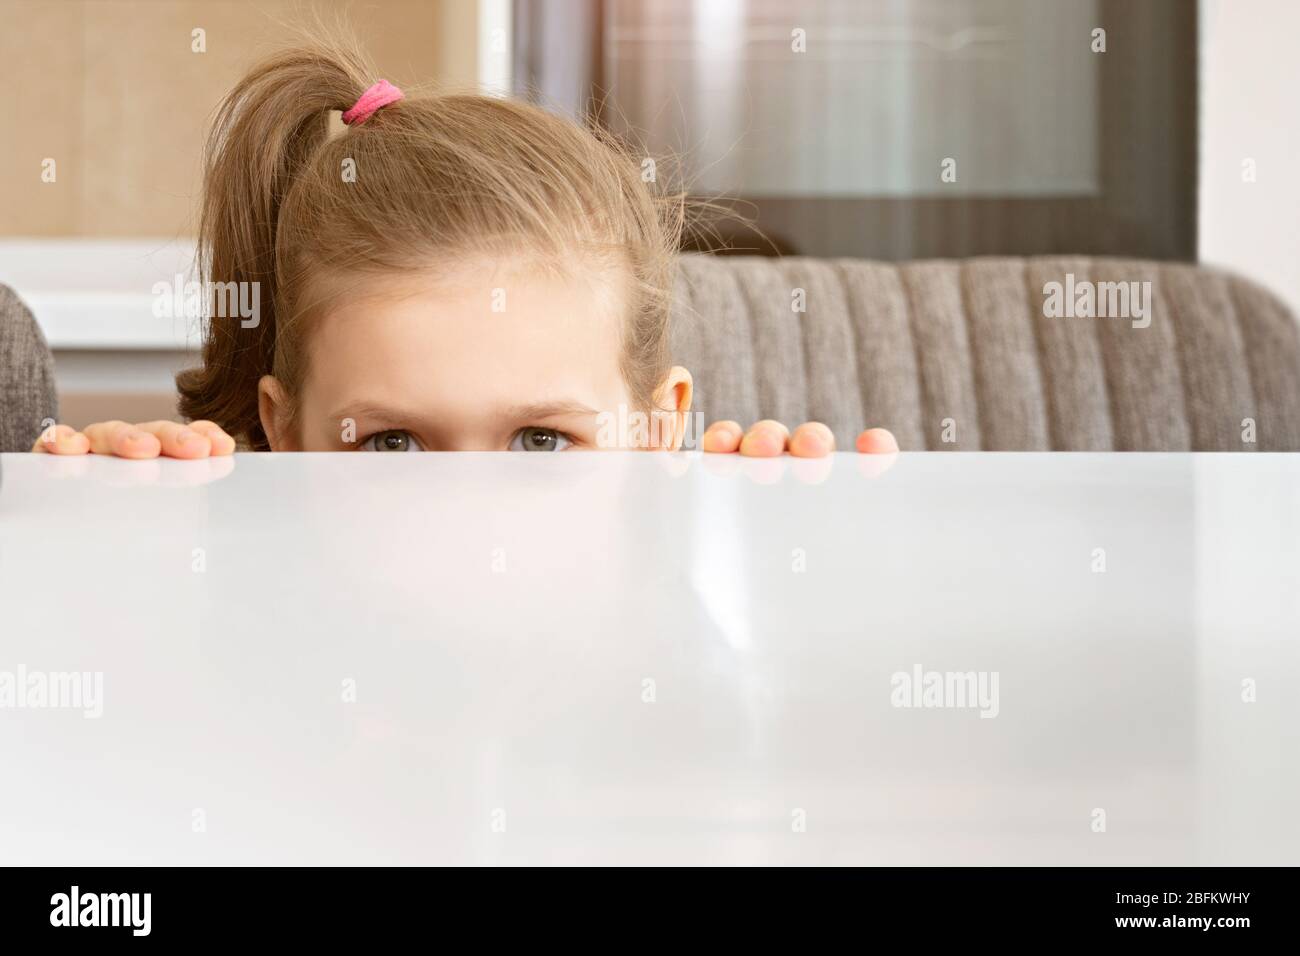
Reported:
(468, 444)
(470, 435)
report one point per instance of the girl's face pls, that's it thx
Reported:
(496, 357)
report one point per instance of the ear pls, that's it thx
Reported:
(273, 408)
(672, 400)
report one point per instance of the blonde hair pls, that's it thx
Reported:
(437, 177)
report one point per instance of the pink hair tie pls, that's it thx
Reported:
(379, 95)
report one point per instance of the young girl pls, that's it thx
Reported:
(452, 272)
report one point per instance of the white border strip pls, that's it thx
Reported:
(495, 46)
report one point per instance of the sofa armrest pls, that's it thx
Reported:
(27, 393)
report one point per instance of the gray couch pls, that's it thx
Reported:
(962, 350)
(27, 395)
(954, 355)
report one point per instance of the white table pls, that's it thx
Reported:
(498, 619)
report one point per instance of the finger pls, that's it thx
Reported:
(722, 437)
(765, 440)
(121, 439)
(222, 443)
(812, 440)
(62, 440)
(178, 441)
(877, 441)
(47, 436)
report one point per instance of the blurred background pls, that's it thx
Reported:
(889, 129)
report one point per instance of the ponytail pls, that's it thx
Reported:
(265, 132)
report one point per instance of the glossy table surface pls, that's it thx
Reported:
(605, 657)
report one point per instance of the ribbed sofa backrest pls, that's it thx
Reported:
(983, 354)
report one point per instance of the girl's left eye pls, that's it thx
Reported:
(394, 440)
(539, 439)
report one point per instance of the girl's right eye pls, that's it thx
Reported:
(395, 440)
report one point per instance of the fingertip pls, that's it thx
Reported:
(191, 444)
(762, 442)
(62, 440)
(722, 437)
(812, 440)
(72, 444)
(220, 443)
(134, 443)
(877, 441)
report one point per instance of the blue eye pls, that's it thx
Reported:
(395, 440)
(539, 439)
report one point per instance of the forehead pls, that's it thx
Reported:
(488, 331)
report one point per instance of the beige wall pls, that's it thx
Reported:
(111, 90)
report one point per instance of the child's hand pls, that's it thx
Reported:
(148, 440)
(767, 439)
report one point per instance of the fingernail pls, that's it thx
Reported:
(135, 436)
(185, 435)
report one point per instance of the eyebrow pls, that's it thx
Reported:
(538, 410)
(533, 411)
(373, 410)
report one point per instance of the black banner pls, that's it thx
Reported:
(333, 906)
